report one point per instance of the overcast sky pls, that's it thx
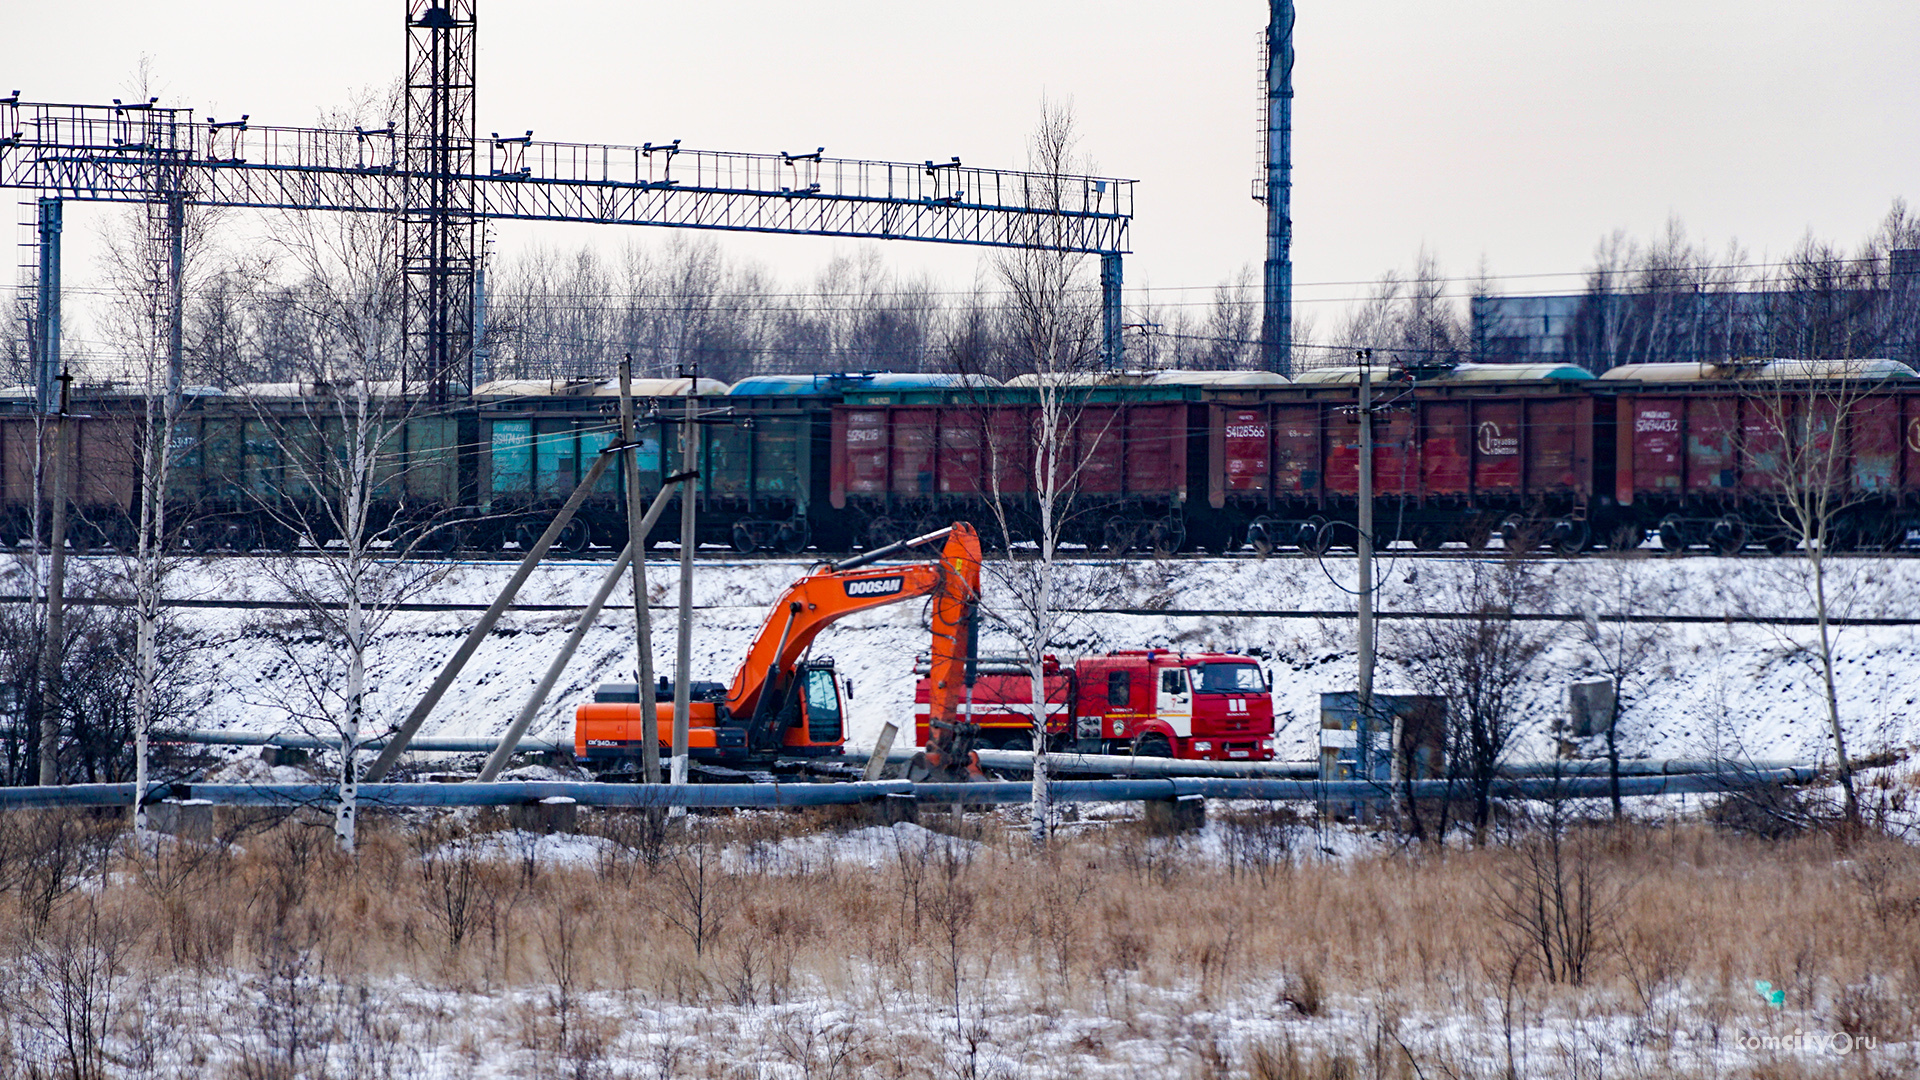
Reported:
(1514, 132)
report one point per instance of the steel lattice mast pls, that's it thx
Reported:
(438, 224)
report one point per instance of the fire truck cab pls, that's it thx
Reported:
(1152, 702)
(1160, 703)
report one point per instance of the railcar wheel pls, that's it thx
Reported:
(1571, 536)
(1673, 535)
(1316, 536)
(575, 538)
(792, 539)
(1260, 536)
(1729, 536)
(882, 531)
(1517, 534)
(1476, 536)
(742, 539)
(1428, 537)
(1167, 537)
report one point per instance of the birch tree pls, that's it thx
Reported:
(1052, 334)
(338, 484)
(1808, 439)
(153, 259)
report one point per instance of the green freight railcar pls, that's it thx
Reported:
(538, 440)
(269, 464)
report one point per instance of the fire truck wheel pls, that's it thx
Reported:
(1152, 745)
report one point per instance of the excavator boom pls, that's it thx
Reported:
(817, 600)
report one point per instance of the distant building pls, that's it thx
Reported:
(1602, 330)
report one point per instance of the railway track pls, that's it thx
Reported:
(719, 556)
(189, 603)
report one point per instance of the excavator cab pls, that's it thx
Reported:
(812, 718)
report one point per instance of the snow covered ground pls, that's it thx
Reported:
(1733, 687)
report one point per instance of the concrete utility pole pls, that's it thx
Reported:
(683, 661)
(638, 525)
(1363, 546)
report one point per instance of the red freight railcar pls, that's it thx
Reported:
(906, 461)
(1705, 452)
(1456, 455)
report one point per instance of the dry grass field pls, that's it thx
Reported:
(794, 945)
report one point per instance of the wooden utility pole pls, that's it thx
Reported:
(638, 525)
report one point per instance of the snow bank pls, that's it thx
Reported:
(1722, 688)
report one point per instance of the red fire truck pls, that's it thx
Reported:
(1151, 702)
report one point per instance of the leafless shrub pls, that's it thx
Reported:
(456, 899)
(44, 855)
(67, 991)
(639, 841)
(1259, 842)
(289, 1030)
(1556, 894)
(1886, 879)
(1058, 920)
(1481, 664)
(692, 891)
(177, 879)
(820, 1048)
(1655, 959)
(1770, 811)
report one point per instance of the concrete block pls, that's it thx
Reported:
(893, 809)
(556, 815)
(190, 820)
(1185, 813)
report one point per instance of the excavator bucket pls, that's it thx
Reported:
(951, 758)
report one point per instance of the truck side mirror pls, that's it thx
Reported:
(849, 689)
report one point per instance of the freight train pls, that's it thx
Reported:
(1547, 455)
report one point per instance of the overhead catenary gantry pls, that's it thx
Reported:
(441, 178)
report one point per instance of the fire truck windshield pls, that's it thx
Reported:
(1228, 678)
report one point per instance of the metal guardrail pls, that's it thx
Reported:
(846, 794)
(1021, 761)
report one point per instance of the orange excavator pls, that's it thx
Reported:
(782, 706)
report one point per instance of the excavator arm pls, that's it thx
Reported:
(814, 602)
